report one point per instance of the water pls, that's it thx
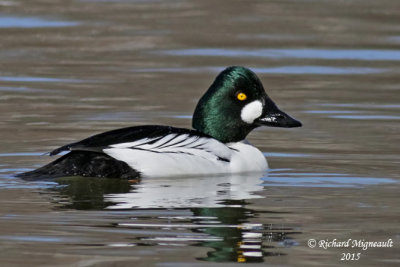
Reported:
(73, 69)
(32, 22)
(330, 54)
(278, 70)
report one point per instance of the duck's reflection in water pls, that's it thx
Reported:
(244, 241)
(188, 192)
(215, 208)
(84, 193)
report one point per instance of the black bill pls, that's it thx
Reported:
(274, 117)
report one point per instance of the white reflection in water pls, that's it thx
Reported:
(188, 192)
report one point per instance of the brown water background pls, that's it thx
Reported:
(71, 69)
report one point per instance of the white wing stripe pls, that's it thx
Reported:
(173, 143)
(189, 141)
(156, 144)
(163, 140)
(144, 141)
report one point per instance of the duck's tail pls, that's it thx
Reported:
(82, 163)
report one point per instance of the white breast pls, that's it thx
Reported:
(247, 159)
(177, 155)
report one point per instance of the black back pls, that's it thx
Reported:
(124, 135)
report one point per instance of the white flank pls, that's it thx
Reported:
(181, 154)
(251, 111)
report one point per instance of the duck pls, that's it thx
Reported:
(235, 104)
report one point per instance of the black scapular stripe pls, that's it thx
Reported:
(82, 163)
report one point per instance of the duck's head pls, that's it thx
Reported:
(235, 104)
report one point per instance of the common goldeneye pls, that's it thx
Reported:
(234, 105)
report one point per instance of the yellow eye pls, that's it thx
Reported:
(241, 96)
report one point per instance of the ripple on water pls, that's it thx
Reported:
(33, 22)
(357, 111)
(366, 117)
(331, 111)
(22, 154)
(33, 238)
(322, 70)
(295, 70)
(21, 89)
(37, 79)
(288, 155)
(327, 54)
(124, 1)
(359, 105)
(337, 180)
(394, 39)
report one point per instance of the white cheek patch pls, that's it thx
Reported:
(251, 111)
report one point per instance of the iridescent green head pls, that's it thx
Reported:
(235, 104)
